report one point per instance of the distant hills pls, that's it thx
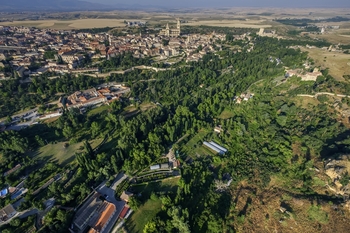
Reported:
(69, 5)
(50, 5)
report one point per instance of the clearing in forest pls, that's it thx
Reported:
(194, 146)
(58, 152)
(226, 114)
(144, 214)
(150, 208)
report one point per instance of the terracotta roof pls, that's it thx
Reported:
(124, 212)
(105, 216)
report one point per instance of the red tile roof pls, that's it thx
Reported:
(124, 212)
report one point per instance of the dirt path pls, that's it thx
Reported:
(324, 93)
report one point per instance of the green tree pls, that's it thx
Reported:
(8, 119)
(134, 203)
(95, 129)
(150, 227)
(68, 132)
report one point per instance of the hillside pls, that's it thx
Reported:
(49, 5)
(239, 133)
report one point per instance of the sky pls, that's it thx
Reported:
(231, 3)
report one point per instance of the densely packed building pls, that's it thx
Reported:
(32, 51)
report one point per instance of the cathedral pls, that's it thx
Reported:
(171, 32)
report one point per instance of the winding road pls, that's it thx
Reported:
(324, 93)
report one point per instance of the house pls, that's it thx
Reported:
(164, 166)
(218, 129)
(311, 76)
(290, 73)
(20, 71)
(126, 196)
(69, 57)
(7, 212)
(2, 57)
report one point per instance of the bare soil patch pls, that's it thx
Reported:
(262, 212)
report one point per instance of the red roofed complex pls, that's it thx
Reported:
(104, 219)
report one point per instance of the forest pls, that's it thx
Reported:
(261, 135)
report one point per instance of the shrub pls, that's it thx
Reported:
(317, 214)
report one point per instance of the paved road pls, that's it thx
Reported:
(28, 213)
(118, 180)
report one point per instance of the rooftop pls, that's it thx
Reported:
(85, 213)
(104, 218)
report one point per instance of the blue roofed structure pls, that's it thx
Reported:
(4, 192)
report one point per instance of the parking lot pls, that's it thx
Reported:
(23, 120)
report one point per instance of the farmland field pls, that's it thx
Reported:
(231, 23)
(68, 24)
(335, 61)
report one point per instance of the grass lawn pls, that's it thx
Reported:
(99, 110)
(145, 213)
(305, 102)
(195, 146)
(132, 110)
(226, 114)
(161, 186)
(57, 152)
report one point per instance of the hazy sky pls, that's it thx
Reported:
(232, 3)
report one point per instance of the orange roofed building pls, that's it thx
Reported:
(104, 219)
